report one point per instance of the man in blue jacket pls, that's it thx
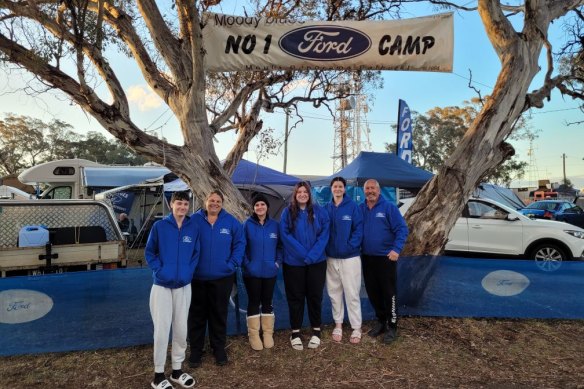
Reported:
(384, 235)
(172, 252)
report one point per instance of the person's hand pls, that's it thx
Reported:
(393, 256)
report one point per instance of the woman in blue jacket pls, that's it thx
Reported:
(304, 230)
(222, 249)
(343, 274)
(260, 267)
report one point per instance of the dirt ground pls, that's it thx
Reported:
(430, 353)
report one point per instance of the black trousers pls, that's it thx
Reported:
(305, 283)
(380, 276)
(209, 304)
(259, 291)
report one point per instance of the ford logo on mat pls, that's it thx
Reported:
(23, 305)
(325, 43)
(505, 283)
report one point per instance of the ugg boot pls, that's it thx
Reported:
(268, 329)
(253, 331)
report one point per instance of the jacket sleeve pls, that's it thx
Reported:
(356, 229)
(289, 242)
(398, 227)
(151, 253)
(317, 250)
(237, 244)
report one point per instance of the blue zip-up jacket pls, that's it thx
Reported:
(263, 250)
(384, 228)
(346, 230)
(173, 253)
(222, 246)
(306, 244)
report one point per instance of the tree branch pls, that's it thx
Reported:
(243, 94)
(165, 42)
(122, 24)
(107, 115)
(499, 29)
(81, 46)
(557, 8)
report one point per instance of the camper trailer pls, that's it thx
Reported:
(42, 236)
(82, 179)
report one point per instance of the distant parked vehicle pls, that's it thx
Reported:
(559, 210)
(488, 227)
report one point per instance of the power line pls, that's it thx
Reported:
(469, 79)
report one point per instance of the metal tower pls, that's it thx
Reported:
(532, 170)
(351, 126)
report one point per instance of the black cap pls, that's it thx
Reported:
(260, 197)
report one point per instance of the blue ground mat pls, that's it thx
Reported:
(109, 308)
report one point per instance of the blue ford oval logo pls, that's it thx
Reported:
(325, 43)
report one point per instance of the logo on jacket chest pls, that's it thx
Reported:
(225, 231)
(273, 235)
(346, 218)
(187, 239)
(380, 214)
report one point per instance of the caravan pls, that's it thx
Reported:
(82, 179)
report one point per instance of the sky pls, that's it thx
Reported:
(310, 147)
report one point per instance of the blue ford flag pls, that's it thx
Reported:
(404, 146)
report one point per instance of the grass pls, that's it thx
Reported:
(430, 352)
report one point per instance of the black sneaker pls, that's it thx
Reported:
(390, 335)
(379, 329)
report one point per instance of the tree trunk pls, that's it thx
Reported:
(197, 163)
(441, 201)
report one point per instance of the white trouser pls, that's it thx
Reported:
(344, 276)
(169, 307)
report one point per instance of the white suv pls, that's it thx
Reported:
(489, 227)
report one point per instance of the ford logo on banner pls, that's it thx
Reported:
(325, 43)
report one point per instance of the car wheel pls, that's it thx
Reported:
(548, 256)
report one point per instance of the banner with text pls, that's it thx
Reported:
(235, 43)
(404, 144)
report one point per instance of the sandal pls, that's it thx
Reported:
(355, 336)
(185, 380)
(164, 384)
(297, 343)
(314, 342)
(337, 334)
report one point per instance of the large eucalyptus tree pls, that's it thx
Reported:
(66, 45)
(69, 45)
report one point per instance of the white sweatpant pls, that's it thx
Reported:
(169, 307)
(343, 276)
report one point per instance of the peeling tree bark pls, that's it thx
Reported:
(483, 147)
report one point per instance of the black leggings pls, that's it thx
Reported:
(305, 283)
(259, 291)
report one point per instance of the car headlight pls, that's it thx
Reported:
(575, 234)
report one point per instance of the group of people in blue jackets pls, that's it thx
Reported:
(194, 261)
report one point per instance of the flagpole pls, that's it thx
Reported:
(398, 127)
